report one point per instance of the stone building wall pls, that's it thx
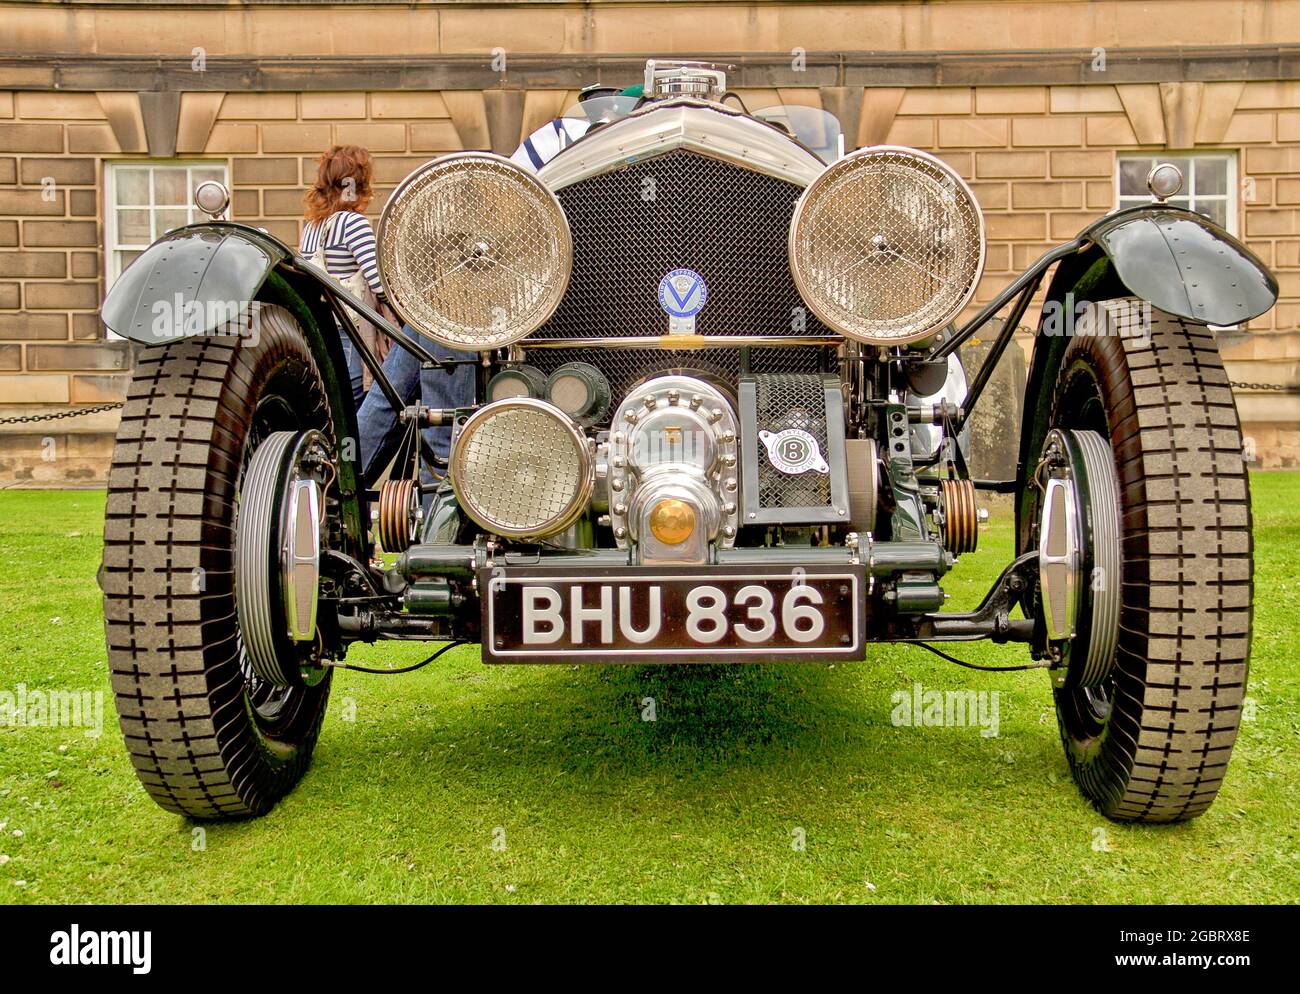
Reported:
(1034, 127)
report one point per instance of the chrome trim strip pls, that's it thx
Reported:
(679, 342)
(699, 125)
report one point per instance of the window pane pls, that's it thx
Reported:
(132, 187)
(1133, 176)
(198, 176)
(1215, 210)
(170, 186)
(125, 258)
(1211, 176)
(133, 227)
(169, 219)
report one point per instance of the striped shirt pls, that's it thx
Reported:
(351, 246)
(548, 141)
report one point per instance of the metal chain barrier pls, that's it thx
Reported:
(1279, 387)
(31, 418)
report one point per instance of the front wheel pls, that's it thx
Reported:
(1151, 741)
(208, 736)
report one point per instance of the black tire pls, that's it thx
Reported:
(206, 737)
(1153, 744)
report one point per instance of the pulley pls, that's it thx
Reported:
(398, 514)
(960, 513)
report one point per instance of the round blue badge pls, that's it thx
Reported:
(682, 293)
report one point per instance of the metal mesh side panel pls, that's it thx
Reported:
(792, 401)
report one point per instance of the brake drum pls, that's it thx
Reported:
(1079, 555)
(279, 534)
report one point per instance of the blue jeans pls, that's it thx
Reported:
(381, 431)
(356, 370)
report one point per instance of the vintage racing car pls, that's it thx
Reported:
(718, 417)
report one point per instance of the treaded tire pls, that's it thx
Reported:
(207, 739)
(1154, 745)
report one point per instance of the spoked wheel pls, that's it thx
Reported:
(1148, 725)
(220, 714)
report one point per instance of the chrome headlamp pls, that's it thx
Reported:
(887, 245)
(474, 251)
(522, 468)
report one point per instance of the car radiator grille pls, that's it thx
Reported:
(681, 210)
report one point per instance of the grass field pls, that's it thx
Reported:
(465, 783)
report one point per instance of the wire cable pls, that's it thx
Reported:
(975, 666)
(404, 669)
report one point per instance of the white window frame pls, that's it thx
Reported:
(1230, 196)
(111, 166)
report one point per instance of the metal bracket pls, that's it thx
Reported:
(992, 619)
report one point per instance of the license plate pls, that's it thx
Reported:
(672, 614)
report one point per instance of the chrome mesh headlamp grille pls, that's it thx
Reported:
(887, 245)
(521, 468)
(632, 226)
(474, 251)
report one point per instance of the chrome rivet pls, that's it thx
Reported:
(696, 401)
(728, 508)
(630, 417)
(674, 396)
(616, 485)
(651, 403)
(715, 415)
(729, 486)
(620, 533)
(729, 531)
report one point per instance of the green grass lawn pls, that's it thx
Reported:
(468, 783)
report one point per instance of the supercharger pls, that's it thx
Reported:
(673, 443)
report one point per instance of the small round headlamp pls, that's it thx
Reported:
(517, 381)
(522, 468)
(1164, 180)
(580, 390)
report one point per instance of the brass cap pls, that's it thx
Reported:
(672, 521)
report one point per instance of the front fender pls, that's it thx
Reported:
(190, 280)
(1185, 264)
(194, 279)
(1180, 261)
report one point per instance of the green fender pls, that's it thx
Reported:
(188, 282)
(193, 280)
(1179, 260)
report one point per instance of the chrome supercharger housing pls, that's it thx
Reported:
(1079, 555)
(673, 444)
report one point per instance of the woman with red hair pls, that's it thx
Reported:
(338, 237)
